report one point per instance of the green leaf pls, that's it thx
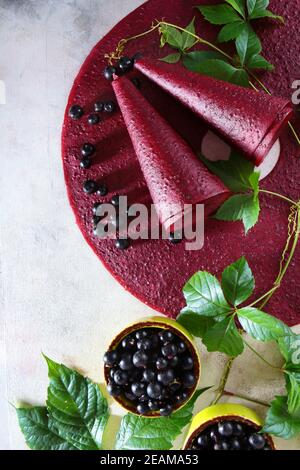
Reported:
(191, 60)
(171, 36)
(172, 58)
(221, 70)
(238, 5)
(224, 337)
(244, 207)
(253, 5)
(247, 45)
(279, 421)
(231, 31)
(259, 62)
(39, 432)
(265, 14)
(254, 182)
(187, 39)
(137, 432)
(77, 407)
(219, 14)
(293, 389)
(194, 323)
(238, 282)
(204, 295)
(261, 325)
(235, 173)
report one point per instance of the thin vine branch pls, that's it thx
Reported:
(223, 381)
(293, 233)
(245, 397)
(261, 357)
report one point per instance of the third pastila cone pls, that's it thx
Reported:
(249, 120)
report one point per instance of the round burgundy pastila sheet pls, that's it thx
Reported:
(156, 270)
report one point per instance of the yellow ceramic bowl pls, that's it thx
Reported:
(166, 324)
(230, 411)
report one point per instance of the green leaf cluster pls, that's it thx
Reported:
(212, 308)
(239, 175)
(181, 41)
(75, 416)
(236, 17)
(283, 417)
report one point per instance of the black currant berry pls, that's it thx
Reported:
(90, 186)
(225, 429)
(154, 390)
(99, 106)
(109, 73)
(75, 112)
(166, 410)
(188, 379)
(122, 243)
(235, 444)
(140, 359)
(181, 347)
(120, 377)
(142, 408)
(87, 150)
(115, 200)
(257, 441)
(128, 342)
(169, 350)
(166, 376)
(102, 190)
(141, 334)
(161, 363)
(126, 362)
(149, 375)
(85, 163)
(110, 358)
(238, 429)
(109, 107)
(138, 389)
(125, 64)
(186, 363)
(93, 119)
(114, 390)
(165, 336)
(202, 441)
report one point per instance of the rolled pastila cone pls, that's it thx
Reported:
(250, 120)
(174, 175)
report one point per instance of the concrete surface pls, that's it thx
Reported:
(55, 295)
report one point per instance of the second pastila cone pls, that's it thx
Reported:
(174, 175)
(249, 120)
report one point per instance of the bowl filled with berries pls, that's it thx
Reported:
(227, 427)
(152, 367)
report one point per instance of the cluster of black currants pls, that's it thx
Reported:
(124, 65)
(152, 369)
(230, 435)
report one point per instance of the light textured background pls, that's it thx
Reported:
(55, 295)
